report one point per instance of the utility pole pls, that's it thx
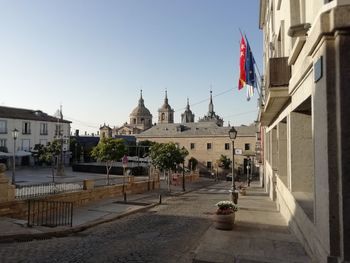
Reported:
(60, 166)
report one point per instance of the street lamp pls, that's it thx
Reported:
(232, 134)
(14, 136)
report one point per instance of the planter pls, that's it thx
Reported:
(224, 222)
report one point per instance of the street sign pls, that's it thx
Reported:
(238, 151)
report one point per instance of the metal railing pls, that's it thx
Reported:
(37, 190)
(44, 189)
(49, 213)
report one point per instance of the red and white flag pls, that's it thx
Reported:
(242, 59)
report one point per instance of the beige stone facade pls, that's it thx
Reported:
(205, 141)
(303, 118)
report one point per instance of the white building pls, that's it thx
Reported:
(304, 120)
(34, 127)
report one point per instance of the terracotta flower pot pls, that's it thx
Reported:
(224, 222)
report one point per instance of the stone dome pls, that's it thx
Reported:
(166, 106)
(141, 110)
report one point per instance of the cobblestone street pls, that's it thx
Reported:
(167, 233)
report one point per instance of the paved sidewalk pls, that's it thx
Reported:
(260, 234)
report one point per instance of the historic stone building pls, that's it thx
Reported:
(165, 113)
(140, 120)
(211, 116)
(187, 116)
(304, 117)
(205, 140)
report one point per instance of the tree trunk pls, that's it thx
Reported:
(108, 169)
(169, 181)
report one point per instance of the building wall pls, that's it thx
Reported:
(204, 155)
(310, 147)
(34, 137)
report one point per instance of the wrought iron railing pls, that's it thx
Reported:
(37, 190)
(49, 213)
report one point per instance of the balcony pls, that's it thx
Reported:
(277, 77)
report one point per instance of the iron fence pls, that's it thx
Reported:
(37, 190)
(49, 213)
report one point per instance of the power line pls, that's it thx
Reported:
(202, 101)
(86, 124)
(239, 114)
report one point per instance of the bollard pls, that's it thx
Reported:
(124, 197)
(160, 198)
(234, 196)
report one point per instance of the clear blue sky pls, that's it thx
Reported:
(93, 57)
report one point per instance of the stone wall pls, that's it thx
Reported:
(18, 208)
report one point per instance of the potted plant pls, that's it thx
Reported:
(224, 217)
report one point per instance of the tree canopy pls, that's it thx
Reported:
(166, 156)
(224, 161)
(109, 150)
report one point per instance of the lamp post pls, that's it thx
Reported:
(14, 136)
(232, 134)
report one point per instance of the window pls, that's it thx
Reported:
(26, 145)
(209, 165)
(43, 129)
(247, 146)
(134, 120)
(25, 127)
(3, 143)
(58, 130)
(227, 146)
(3, 126)
(192, 146)
(208, 146)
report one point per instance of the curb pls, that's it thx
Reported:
(66, 232)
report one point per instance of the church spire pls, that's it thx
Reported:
(166, 113)
(211, 105)
(187, 116)
(166, 98)
(141, 102)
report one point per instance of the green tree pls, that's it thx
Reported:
(224, 161)
(109, 150)
(166, 156)
(48, 154)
